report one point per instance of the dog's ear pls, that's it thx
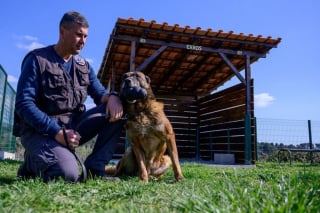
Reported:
(148, 79)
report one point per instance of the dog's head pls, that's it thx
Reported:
(135, 86)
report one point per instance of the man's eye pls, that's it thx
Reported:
(81, 35)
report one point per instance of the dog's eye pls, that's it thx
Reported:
(136, 75)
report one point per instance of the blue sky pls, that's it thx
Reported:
(286, 81)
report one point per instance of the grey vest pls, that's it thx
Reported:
(61, 95)
(61, 92)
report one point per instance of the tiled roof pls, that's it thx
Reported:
(179, 60)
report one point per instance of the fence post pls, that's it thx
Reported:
(247, 145)
(310, 134)
(310, 140)
(255, 138)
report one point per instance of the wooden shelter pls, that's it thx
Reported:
(186, 65)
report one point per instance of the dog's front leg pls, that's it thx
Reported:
(173, 152)
(140, 161)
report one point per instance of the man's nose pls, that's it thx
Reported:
(83, 39)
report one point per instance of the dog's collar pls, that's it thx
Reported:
(135, 101)
(132, 102)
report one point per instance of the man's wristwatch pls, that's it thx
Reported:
(115, 93)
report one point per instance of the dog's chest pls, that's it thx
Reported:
(145, 128)
(146, 121)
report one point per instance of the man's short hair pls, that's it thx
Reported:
(71, 18)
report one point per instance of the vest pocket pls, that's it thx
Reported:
(56, 93)
(83, 81)
(83, 77)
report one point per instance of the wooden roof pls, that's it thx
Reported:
(179, 60)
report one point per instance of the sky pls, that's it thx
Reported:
(286, 81)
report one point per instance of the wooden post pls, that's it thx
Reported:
(248, 149)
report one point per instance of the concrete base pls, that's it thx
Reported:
(7, 155)
(220, 158)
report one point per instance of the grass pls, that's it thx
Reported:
(268, 187)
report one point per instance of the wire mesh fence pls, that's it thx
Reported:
(288, 132)
(274, 135)
(7, 99)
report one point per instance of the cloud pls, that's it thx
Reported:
(263, 99)
(90, 60)
(28, 42)
(12, 79)
(31, 46)
(29, 38)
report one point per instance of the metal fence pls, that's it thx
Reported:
(288, 132)
(7, 99)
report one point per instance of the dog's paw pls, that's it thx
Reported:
(179, 177)
(144, 178)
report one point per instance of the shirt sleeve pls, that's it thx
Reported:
(27, 91)
(96, 90)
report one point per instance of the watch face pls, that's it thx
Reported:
(114, 93)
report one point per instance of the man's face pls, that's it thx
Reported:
(74, 38)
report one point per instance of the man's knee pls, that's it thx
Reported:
(66, 165)
(71, 175)
(66, 170)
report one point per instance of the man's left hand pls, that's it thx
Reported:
(114, 108)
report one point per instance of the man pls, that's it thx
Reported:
(51, 92)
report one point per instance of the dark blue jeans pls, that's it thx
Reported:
(46, 158)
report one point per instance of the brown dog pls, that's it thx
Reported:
(148, 130)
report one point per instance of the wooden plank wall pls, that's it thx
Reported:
(182, 112)
(222, 125)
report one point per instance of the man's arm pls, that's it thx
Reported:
(27, 91)
(97, 91)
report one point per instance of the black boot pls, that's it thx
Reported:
(23, 173)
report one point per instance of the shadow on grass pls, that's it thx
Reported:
(8, 170)
(8, 180)
(10, 161)
(300, 164)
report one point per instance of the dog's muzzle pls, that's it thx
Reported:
(132, 94)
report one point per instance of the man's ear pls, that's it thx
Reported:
(62, 31)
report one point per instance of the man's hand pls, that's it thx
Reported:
(114, 108)
(72, 136)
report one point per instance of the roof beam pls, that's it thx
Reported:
(188, 46)
(151, 58)
(198, 36)
(233, 68)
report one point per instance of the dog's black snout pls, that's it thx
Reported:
(127, 82)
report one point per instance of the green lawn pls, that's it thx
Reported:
(268, 187)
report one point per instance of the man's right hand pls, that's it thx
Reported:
(72, 136)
